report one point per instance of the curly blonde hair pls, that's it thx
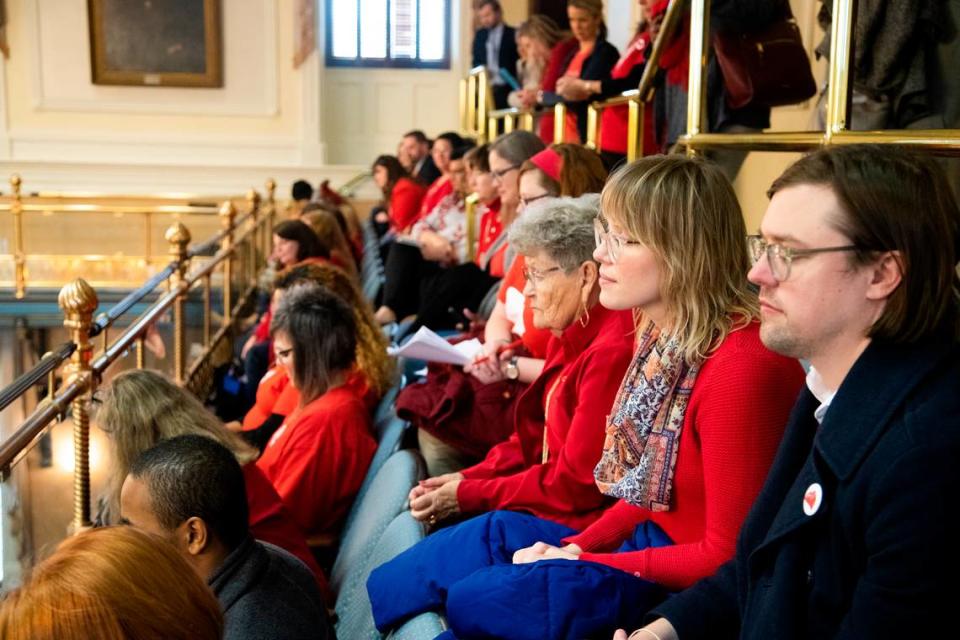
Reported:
(372, 358)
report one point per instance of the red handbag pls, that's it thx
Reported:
(765, 68)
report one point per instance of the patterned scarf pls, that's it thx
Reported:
(643, 432)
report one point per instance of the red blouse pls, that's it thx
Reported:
(405, 202)
(317, 459)
(440, 189)
(734, 423)
(570, 401)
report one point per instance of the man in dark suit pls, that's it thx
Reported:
(855, 533)
(416, 147)
(495, 47)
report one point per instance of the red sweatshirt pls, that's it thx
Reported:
(405, 202)
(317, 459)
(270, 522)
(738, 409)
(580, 379)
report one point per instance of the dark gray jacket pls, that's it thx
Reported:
(267, 593)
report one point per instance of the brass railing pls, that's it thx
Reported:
(28, 251)
(476, 102)
(836, 130)
(240, 251)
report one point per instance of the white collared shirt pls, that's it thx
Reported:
(821, 392)
(494, 40)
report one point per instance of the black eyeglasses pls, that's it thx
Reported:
(498, 175)
(526, 201)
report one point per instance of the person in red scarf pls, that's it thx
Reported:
(688, 442)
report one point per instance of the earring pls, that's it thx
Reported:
(584, 316)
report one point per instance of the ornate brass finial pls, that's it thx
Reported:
(78, 298)
(271, 187)
(15, 183)
(253, 197)
(227, 213)
(177, 234)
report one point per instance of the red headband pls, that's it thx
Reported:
(550, 162)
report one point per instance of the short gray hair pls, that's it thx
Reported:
(560, 227)
(517, 147)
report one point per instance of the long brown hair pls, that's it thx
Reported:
(685, 211)
(139, 409)
(112, 583)
(372, 359)
(325, 225)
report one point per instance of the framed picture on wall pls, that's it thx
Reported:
(171, 43)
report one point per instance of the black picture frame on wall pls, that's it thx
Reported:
(173, 43)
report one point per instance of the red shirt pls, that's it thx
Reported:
(317, 459)
(535, 340)
(270, 522)
(570, 400)
(276, 395)
(405, 202)
(491, 228)
(738, 409)
(613, 120)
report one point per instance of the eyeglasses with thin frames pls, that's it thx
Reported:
(537, 276)
(780, 258)
(605, 237)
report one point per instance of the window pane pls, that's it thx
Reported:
(343, 28)
(433, 22)
(373, 34)
(403, 19)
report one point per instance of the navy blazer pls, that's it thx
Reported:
(880, 557)
(508, 49)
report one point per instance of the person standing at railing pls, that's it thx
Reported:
(592, 59)
(495, 47)
(536, 39)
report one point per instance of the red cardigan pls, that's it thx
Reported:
(318, 457)
(270, 522)
(738, 409)
(405, 202)
(589, 364)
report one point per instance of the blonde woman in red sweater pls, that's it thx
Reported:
(689, 439)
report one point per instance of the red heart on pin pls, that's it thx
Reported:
(810, 498)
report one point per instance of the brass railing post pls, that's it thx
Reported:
(227, 215)
(482, 106)
(509, 124)
(471, 214)
(464, 125)
(635, 115)
(593, 126)
(526, 121)
(253, 200)
(270, 215)
(78, 301)
(493, 128)
(179, 237)
(841, 59)
(19, 253)
(696, 89)
(472, 127)
(559, 122)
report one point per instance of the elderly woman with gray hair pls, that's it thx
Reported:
(546, 466)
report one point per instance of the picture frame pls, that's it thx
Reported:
(169, 43)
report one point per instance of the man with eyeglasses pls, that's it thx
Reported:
(855, 533)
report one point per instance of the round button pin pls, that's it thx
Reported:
(812, 498)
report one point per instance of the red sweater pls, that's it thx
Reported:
(405, 202)
(584, 368)
(270, 522)
(738, 409)
(317, 459)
